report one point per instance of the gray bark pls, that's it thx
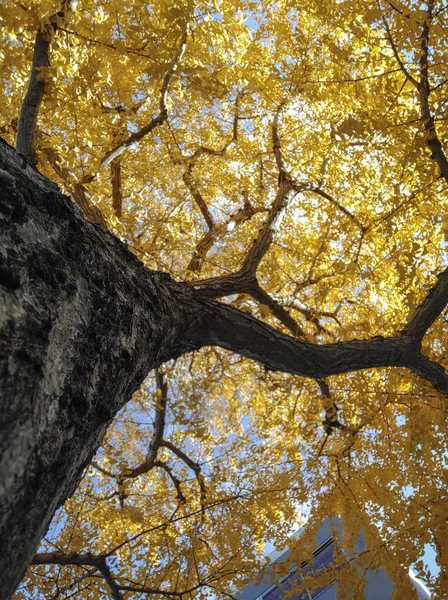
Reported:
(82, 322)
(239, 332)
(26, 133)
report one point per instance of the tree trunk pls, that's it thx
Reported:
(81, 324)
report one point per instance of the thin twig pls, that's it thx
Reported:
(194, 466)
(395, 51)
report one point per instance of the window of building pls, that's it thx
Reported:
(277, 591)
(322, 558)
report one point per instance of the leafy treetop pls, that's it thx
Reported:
(288, 158)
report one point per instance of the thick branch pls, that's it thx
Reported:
(276, 146)
(278, 311)
(224, 326)
(261, 244)
(225, 285)
(159, 427)
(203, 247)
(424, 90)
(429, 370)
(286, 184)
(206, 243)
(78, 191)
(150, 591)
(26, 133)
(428, 311)
(109, 578)
(115, 165)
(331, 411)
(73, 558)
(197, 196)
(117, 190)
(264, 239)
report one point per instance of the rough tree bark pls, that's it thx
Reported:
(82, 322)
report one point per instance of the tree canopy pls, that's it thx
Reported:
(287, 158)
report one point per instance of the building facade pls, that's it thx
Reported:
(377, 585)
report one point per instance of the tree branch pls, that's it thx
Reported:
(156, 442)
(190, 184)
(312, 315)
(159, 427)
(331, 411)
(109, 578)
(261, 244)
(102, 470)
(203, 247)
(117, 190)
(320, 192)
(244, 281)
(276, 146)
(72, 558)
(231, 284)
(225, 285)
(163, 110)
(174, 479)
(87, 559)
(206, 243)
(26, 133)
(152, 591)
(193, 158)
(424, 90)
(115, 165)
(286, 184)
(191, 464)
(395, 51)
(277, 310)
(78, 191)
(210, 237)
(222, 325)
(76, 581)
(428, 311)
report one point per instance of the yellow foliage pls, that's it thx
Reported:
(352, 262)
